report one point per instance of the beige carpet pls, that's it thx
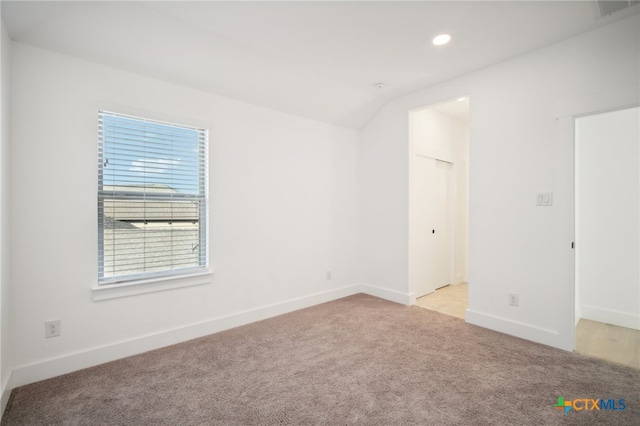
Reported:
(358, 360)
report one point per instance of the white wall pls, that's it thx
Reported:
(517, 148)
(282, 215)
(608, 217)
(5, 370)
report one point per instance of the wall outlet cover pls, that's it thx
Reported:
(52, 328)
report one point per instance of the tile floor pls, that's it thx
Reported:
(450, 300)
(611, 342)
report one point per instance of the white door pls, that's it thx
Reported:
(422, 178)
(441, 232)
(431, 230)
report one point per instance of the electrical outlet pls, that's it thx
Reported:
(513, 299)
(52, 328)
(328, 275)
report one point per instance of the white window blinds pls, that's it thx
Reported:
(152, 198)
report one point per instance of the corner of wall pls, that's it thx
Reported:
(5, 370)
(407, 299)
(5, 393)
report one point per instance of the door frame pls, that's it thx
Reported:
(576, 258)
(414, 151)
(564, 232)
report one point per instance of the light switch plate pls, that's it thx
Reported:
(544, 199)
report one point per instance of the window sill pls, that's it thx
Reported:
(113, 291)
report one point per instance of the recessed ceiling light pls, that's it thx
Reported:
(379, 85)
(442, 39)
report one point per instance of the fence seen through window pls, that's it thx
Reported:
(152, 198)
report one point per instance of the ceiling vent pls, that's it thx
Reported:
(608, 7)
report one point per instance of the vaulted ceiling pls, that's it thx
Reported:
(320, 60)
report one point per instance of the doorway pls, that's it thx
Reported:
(607, 262)
(438, 205)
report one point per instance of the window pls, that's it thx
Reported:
(152, 199)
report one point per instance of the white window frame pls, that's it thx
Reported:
(152, 281)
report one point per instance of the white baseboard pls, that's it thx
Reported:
(391, 295)
(47, 369)
(513, 328)
(5, 393)
(621, 319)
